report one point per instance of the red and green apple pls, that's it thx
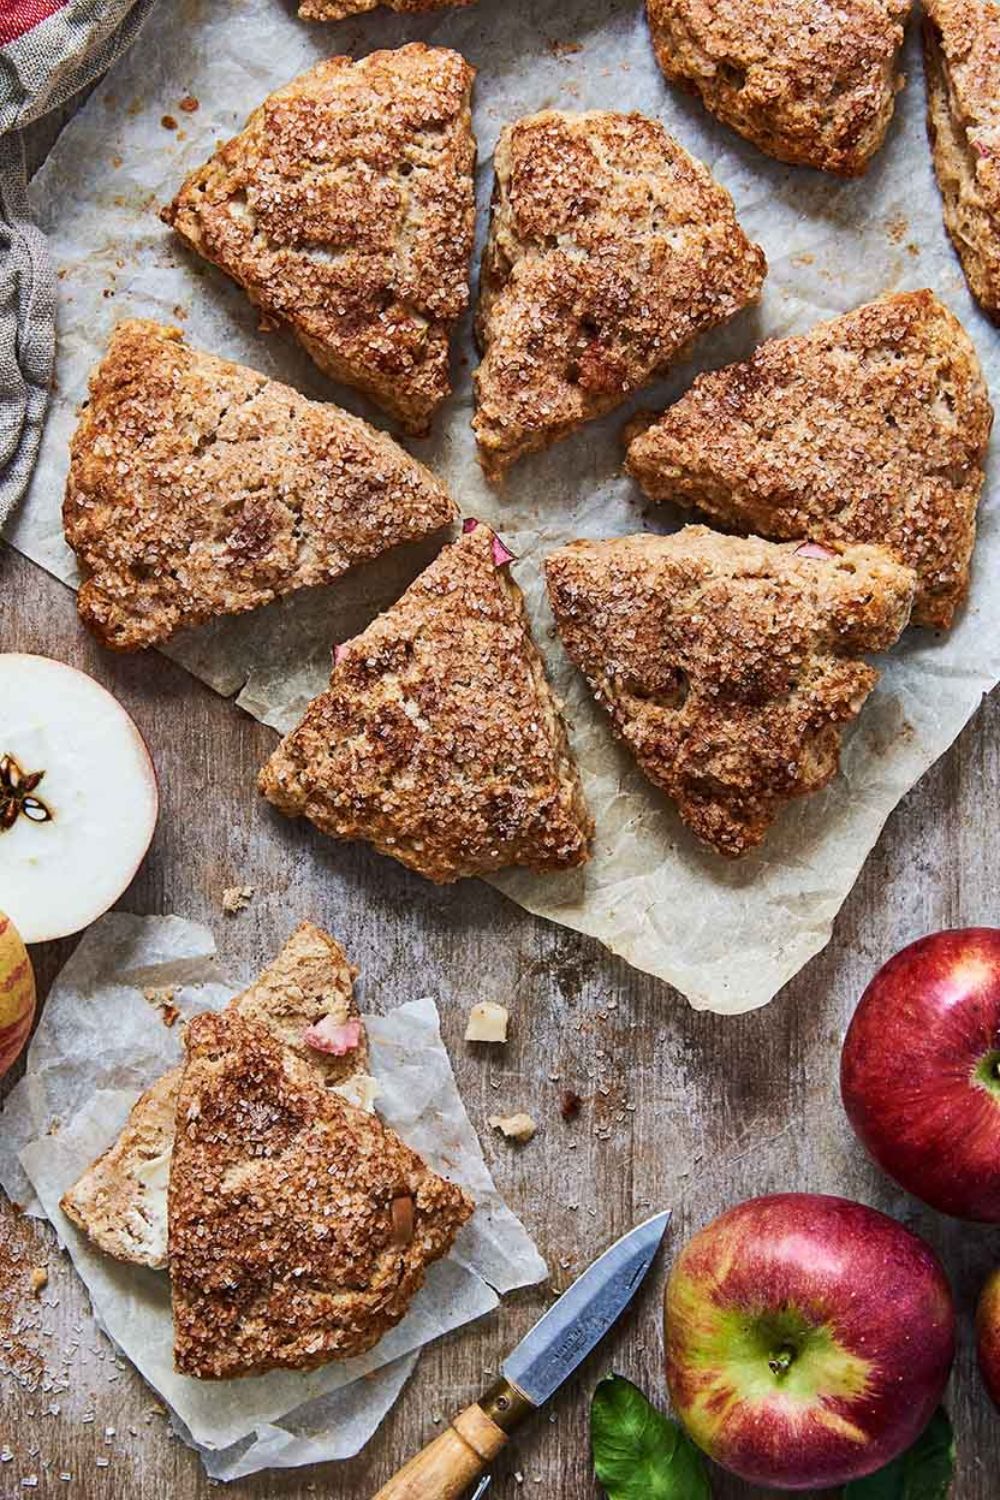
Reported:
(920, 1071)
(809, 1340)
(17, 994)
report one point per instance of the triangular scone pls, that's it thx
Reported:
(962, 48)
(728, 665)
(339, 10)
(121, 1200)
(610, 250)
(300, 1228)
(870, 428)
(346, 211)
(808, 82)
(200, 488)
(438, 739)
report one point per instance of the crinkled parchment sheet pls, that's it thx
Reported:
(82, 1077)
(727, 936)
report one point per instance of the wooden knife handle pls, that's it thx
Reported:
(452, 1462)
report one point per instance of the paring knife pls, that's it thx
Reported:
(535, 1370)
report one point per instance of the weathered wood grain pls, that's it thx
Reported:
(680, 1108)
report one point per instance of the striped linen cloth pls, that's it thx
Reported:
(49, 51)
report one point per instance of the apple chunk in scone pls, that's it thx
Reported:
(728, 665)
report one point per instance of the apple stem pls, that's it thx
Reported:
(782, 1361)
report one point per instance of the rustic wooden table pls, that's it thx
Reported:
(682, 1109)
(695, 1111)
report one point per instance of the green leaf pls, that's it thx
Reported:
(639, 1454)
(923, 1472)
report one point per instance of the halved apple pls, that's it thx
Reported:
(78, 797)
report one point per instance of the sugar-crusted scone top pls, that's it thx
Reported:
(120, 1201)
(610, 249)
(300, 1227)
(728, 665)
(198, 487)
(807, 81)
(346, 211)
(439, 740)
(872, 427)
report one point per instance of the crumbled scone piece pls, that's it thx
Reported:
(339, 10)
(438, 739)
(121, 1199)
(962, 48)
(872, 427)
(808, 82)
(519, 1127)
(199, 488)
(236, 898)
(487, 1022)
(610, 250)
(346, 212)
(39, 1280)
(290, 1242)
(728, 665)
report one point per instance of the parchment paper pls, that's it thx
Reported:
(727, 936)
(82, 1077)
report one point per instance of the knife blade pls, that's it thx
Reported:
(533, 1371)
(564, 1337)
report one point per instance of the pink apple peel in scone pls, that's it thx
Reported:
(808, 1339)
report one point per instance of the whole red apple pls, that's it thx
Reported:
(809, 1340)
(920, 1071)
(988, 1336)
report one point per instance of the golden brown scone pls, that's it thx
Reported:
(962, 48)
(728, 664)
(121, 1199)
(199, 488)
(610, 250)
(339, 10)
(300, 1228)
(346, 212)
(808, 82)
(439, 740)
(873, 427)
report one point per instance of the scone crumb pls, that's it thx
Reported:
(161, 997)
(519, 1127)
(39, 1280)
(487, 1022)
(236, 898)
